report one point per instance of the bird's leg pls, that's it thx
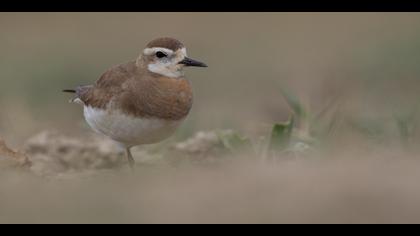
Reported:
(130, 158)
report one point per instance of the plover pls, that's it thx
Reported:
(142, 101)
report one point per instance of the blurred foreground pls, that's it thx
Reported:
(83, 180)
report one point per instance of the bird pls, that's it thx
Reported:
(142, 101)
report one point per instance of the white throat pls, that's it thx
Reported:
(167, 67)
(166, 70)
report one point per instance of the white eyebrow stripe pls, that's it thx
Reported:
(150, 51)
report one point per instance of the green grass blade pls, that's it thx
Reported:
(294, 103)
(233, 141)
(281, 134)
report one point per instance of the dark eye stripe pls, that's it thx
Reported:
(160, 54)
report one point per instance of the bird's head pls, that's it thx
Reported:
(167, 57)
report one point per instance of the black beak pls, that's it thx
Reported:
(191, 62)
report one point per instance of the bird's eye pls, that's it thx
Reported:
(160, 54)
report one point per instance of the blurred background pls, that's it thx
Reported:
(367, 64)
(371, 58)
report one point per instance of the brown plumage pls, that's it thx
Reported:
(138, 92)
(165, 42)
(142, 101)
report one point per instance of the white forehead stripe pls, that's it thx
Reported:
(150, 51)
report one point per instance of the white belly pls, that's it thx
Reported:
(129, 130)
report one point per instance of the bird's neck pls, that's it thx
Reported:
(140, 63)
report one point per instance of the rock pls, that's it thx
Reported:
(207, 147)
(52, 153)
(9, 157)
(55, 154)
(201, 143)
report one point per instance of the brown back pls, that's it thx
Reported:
(139, 93)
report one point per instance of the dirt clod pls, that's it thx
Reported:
(53, 153)
(10, 157)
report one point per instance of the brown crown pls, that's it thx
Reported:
(165, 42)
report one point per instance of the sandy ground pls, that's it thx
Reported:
(335, 187)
